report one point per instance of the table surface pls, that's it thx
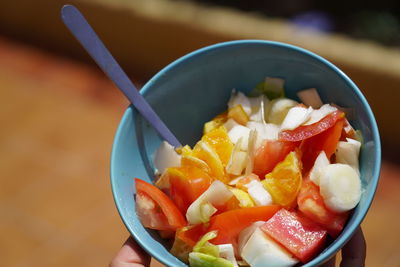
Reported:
(58, 120)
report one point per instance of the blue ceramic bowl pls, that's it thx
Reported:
(196, 87)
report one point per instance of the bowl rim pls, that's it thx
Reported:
(343, 239)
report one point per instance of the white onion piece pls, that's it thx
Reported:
(318, 114)
(258, 194)
(238, 159)
(240, 99)
(237, 132)
(246, 233)
(229, 124)
(320, 163)
(296, 117)
(226, 251)
(260, 250)
(251, 151)
(217, 194)
(166, 157)
(348, 152)
(258, 106)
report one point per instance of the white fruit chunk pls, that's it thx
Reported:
(320, 163)
(240, 99)
(166, 157)
(246, 233)
(229, 124)
(226, 251)
(202, 208)
(340, 186)
(347, 153)
(296, 117)
(238, 132)
(258, 194)
(318, 114)
(260, 250)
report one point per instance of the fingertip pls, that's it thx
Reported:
(354, 252)
(130, 254)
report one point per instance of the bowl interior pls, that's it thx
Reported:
(195, 88)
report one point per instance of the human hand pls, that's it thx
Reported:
(353, 253)
(130, 255)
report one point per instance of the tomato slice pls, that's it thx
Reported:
(155, 209)
(312, 205)
(296, 233)
(230, 223)
(306, 131)
(187, 183)
(325, 141)
(271, 153)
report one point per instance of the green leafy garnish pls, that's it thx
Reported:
(271, 88)
(197, 259)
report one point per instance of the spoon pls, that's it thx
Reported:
(88, 38)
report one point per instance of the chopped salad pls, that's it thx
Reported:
(268, 183)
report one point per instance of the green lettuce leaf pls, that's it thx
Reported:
(271, 88)
(203, 246)
(197, 259)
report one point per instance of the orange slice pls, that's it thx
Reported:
(284, 182)
(215, 123)
(238, 114)
(195, 162)
(206, 153)
(184, 151)
(219, 140)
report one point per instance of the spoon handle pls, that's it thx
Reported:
(88, 38)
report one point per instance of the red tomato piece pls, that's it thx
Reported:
(192, 234)
(298, 234)
(325, 141)
(312, 205)
(230, 223)
(270, 154)
(306, 131)
(155, 209)
(187, 186)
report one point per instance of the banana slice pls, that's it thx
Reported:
(340, 186)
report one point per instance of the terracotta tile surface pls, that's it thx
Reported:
(58, 120)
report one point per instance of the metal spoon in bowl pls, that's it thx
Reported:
(88, 38)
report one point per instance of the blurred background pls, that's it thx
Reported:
(58, 112)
